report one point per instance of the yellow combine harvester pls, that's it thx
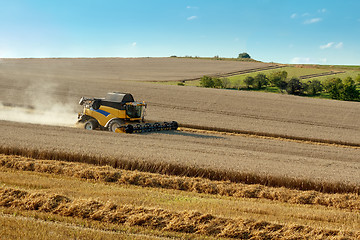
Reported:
(118, 112)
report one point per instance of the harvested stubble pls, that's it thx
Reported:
(199, 185)
(189, 222)
(14, 226)
(187, 171)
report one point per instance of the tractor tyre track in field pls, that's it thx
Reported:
(321, 74)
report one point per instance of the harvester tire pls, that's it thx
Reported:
(91, 124)
(129, 128)
(174, 125)
(114, 124)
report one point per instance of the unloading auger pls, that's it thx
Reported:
(119, 112)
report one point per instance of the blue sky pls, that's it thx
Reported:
(285, 31)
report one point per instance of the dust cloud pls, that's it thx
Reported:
(38, 104)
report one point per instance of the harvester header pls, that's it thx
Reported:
(118, 112)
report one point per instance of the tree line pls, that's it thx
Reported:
(341, 89)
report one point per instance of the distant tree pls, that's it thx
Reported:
(342, 90)
(218, 83)
(278, 78)
(349, 91)
(334, 87)
(249, 81)
(207, 82)
(348, 81)
(244, 55)
(226, 83)
(260, 80)
(237, 84)
(282, 85)
(314, 87)
(294, 86)
(357, 79)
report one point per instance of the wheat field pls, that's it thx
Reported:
(61, 189)
(249, 165)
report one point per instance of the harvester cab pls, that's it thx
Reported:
(118, 112)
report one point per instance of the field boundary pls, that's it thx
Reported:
(142, 165)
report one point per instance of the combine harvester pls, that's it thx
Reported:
(118, 112)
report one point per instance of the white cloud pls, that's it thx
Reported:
(191, 7)
(313, 20)
(133, 44)
(322, 10)
(332, 45)
(305, 14)
(307, 60)
(329, 45)
(300, 60)
(191, 18)
(339, 45)
(294, 15)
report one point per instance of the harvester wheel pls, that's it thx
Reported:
(114, 124)
(174, 125)
(129, 128)
(91, 124)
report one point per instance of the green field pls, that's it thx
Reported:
(237, 81)
(292, 72)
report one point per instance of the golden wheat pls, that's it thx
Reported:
(199, 185)
(180, 170)
(189, 222)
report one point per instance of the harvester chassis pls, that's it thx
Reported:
(119, 113)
